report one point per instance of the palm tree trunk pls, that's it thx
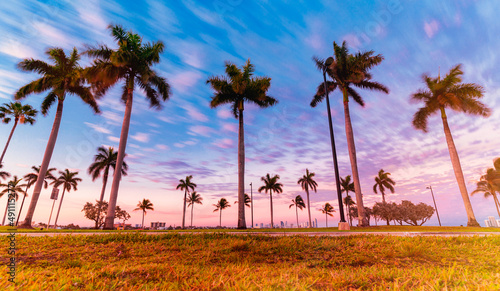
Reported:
(5, 213)
(8, 140)
(220, 218)
(50, 216)
(308, 207)
(45, 165)
(143, 219)
(271, 195)
(383, 197)
(457, 168)
(22, 203)
(497, 203)
(297, 215)
(184, 209)
(101, 198)
(113, 196)
(354, 164)
(326, 219)
(59, 209)
(192, 206)
(347, 208)
(241, 171)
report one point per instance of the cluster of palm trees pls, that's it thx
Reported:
(131, 62)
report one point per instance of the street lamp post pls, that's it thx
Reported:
(435, 207)
(328, 62)
(251, 201)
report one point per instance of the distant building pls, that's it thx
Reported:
(156, 225)
(491, 222)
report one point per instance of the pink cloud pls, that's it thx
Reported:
(201, 130)
(224, 113)
(230, 127)
(194, 113)
(431, 28)
(224, 143)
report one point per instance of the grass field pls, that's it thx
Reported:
(134, 261)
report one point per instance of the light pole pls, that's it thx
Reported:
(435, 207)
(328, 62)
(251, 201)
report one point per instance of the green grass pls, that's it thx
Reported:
(219, 261)
(384, 228)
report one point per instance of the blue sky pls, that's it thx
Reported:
(186, 137)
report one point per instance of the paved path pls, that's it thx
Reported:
(318, 233)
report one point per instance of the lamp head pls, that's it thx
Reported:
(329, 62)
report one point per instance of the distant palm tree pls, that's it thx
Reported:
(307, 182)
(346, 71)
(347, 186)
(131, 63)
(20, 113)
(144, 205)
(3, 175)
(31, 179)
(298, 202)
(327, 209)
(271, 184)
(382, 182)
(489, 184)
(193, 198)
(69, 181)
(235, 89)
(63, 78)
(185, 185)
(247, 200)
(463, 97)
(221, 204)
(13, 187)
(105, 159)
(348, 202)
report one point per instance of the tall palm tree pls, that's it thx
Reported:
(221, 204)
(298, 202)
(307, 182)
(327, 210)
(450, 92)
(131, 63)
(346, 185)
(105, 159)
(383, 182)
(13, 187)
(20, 113)
(193, 198)
(489, 184)
(348, 202)
(69, 181)
(236, 88)
(348, 71)
(144, 205)
(186, 186)
(63, 78)
(31, 179)
(271, 184)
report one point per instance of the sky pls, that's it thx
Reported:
(280, 38)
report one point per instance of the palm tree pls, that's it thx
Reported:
(3, 174)
(13, 187)
(235, 89)
(185, 185)
(347, 186)
(105, 159)
(346, 71)
(298, 202)
(221, 204)
(69, 181)
(63, 78)
(271, 184)
(247, 200)
(348, 202)
(382, 182)
(463, 97)
(144, 205)
(130, 63)
(327, 209)
(307, 182)
(489, 184)
(31, 179)
(20, 113)
(193, 198)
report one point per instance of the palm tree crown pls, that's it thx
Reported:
(144, 205)
(3, 174)
(32, 177)
(68, 180)
(13, 187)
(328, 210)
(450, 92)
(382, 182)
(236, 88)
(105, 159)
(489, 184)
(131, 63)
(347, 71)
(64, 77)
